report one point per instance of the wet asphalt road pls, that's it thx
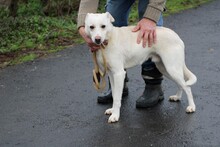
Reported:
(51, 102)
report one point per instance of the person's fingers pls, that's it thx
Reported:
(136, 28)
(93, 47)
(154, 36)
(89, 40)
(150, 39)
(145, 38)
(140, 36)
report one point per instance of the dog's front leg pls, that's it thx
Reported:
(117, 83)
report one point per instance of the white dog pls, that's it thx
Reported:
(123, 52)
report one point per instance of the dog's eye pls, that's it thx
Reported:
(103, 26)
(92, 27)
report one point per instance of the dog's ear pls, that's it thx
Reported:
(110, 16)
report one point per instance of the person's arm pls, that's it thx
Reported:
(86, 6)
(147, 25)
(154, 10)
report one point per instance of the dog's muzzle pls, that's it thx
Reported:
(98, 41)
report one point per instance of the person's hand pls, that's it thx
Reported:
(147, 32)
(93, 46)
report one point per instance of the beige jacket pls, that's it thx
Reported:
(153, 11)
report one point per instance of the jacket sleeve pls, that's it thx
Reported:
(154, 9)
(86, 6)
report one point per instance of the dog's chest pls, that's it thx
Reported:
(101, 57)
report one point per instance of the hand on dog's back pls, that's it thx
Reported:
(147, 32)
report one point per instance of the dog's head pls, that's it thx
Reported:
(98, 26)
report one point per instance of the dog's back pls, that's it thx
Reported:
(124, 39)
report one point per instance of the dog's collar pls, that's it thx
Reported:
(104, 44)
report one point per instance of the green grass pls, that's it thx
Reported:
(32, 34)
(24, 58)
(175, 6)
(35, 32)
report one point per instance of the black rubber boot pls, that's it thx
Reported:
(151, 96)
(106, 97)
(153, 92)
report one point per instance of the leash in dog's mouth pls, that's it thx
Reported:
(98, 75)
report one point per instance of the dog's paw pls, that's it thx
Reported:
(174, 98)
(115, 114)
(113, 118)
(190, 109)
(109, 111)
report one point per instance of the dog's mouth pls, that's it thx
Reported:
(99, 42)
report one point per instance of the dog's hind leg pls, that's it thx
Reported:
(177, 76)
(118, 80)
(163, 70)
(177, 96)
(191, 108)
(174, 62)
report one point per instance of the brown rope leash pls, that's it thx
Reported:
(98, 75)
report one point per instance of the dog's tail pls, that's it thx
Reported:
(189, 76)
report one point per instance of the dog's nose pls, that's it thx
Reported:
(97, 41)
